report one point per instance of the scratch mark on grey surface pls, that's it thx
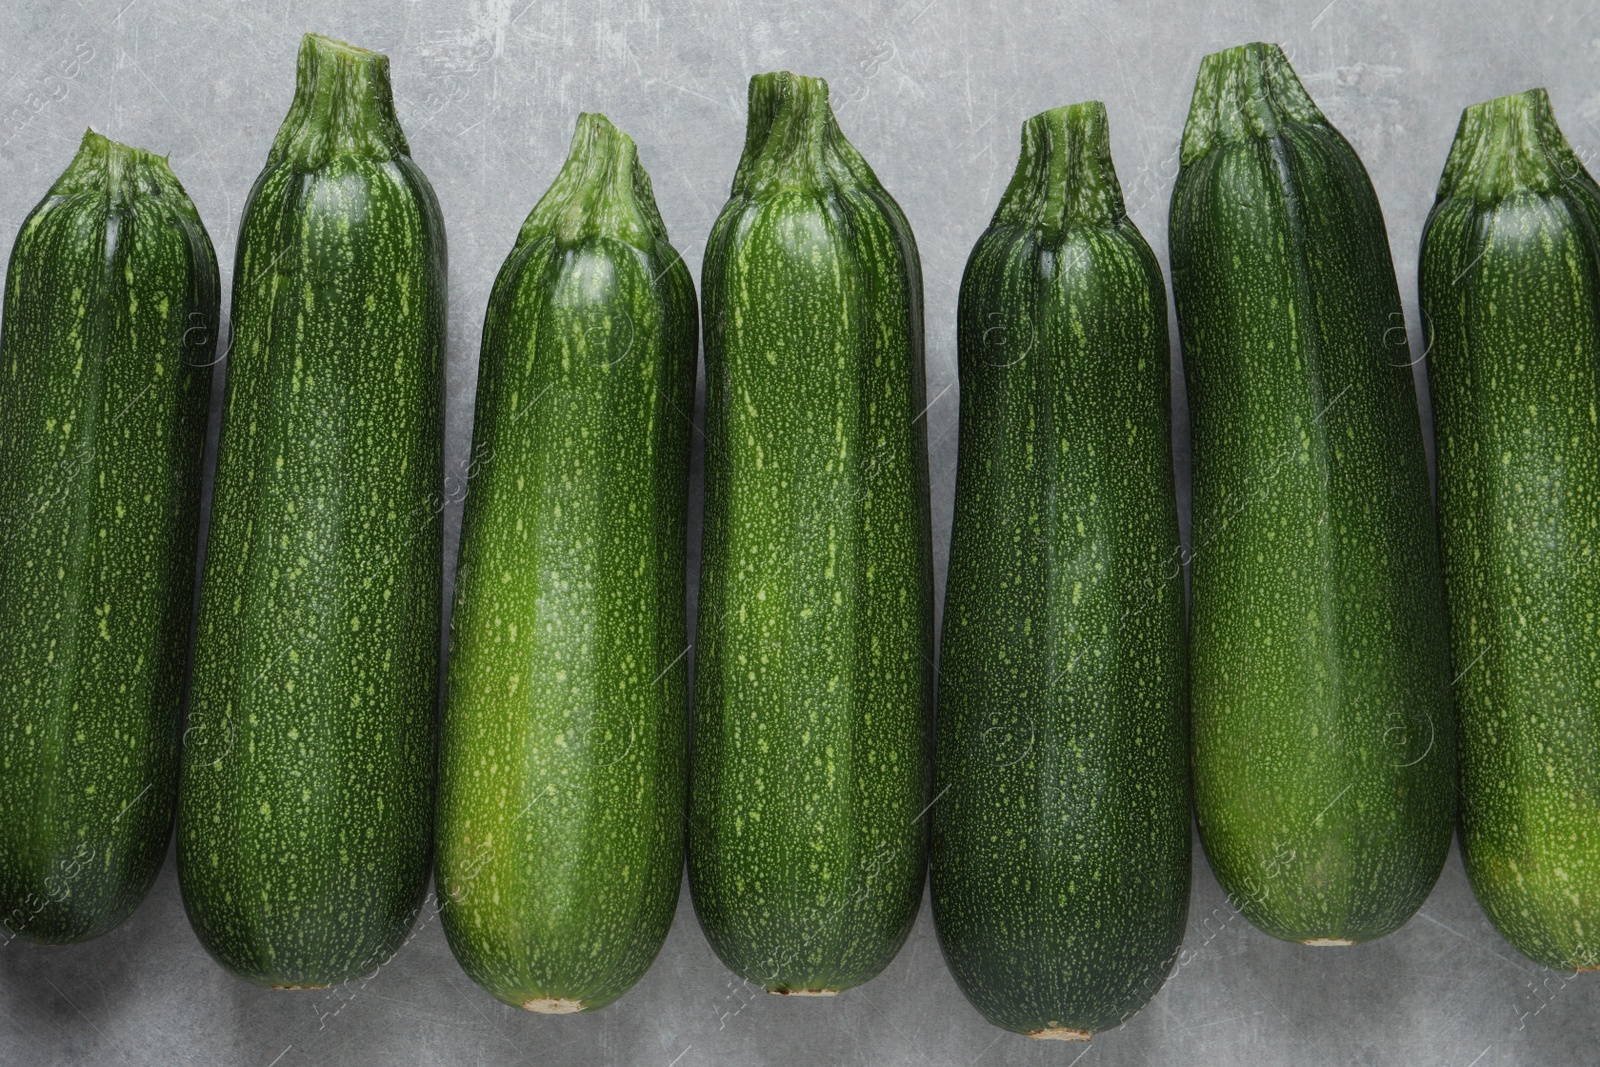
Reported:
(1421, 914)
(1116, 52)
(280, 1056)
(1218, 1022)
(88, 1020)
(683, 89)
(1481, 1055)
(935, 400)
(680, 1056)
(520, 1054)
(1290, 1021)
(1520, 55)
(986, 1049)
(1323, 12)
(895, 1028)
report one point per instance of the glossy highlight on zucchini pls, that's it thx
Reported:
(1510, 288)
(564, 751)
(111, 307)
(305, 813)
(812, 748)
(1061, 850)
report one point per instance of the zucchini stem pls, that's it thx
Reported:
(1241, 93)
(1506, 145)
(343, 106)
(1064, 175)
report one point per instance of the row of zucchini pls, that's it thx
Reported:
(1317, 669)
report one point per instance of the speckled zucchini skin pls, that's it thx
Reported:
(306, 806)
(813, 688)
(1510, 286)
(1061, 850)
(110, 323)
(1323, 733)
(564, 753)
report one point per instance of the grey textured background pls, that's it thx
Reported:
(933, 94)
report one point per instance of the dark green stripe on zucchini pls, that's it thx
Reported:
(306, 808)
(1510, 287)
(1323, 736)
(564, 753)
(814, 682)
(111, 307)
(1061, 850)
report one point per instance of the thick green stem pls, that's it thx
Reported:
(601, 190)
(793, 141)
(116, 171)
(1505, 145)
(1244, 92)
(343, 106)
(1064, 175)
(785, 141)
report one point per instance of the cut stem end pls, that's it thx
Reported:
(552, 1006)
(1060, 1033)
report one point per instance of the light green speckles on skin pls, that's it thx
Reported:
(1516, 335)
(345, 391)
(789, 564)
(78, 349)
(564, 576)
(1341, 619)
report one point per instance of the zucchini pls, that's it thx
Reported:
(1060, 843)
(111, 307)
(564, 753)
(306, 806)
(812, 757)
(1510, 285)
(1323, 733)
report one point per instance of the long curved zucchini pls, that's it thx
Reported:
(1324, 741)
(306, 807)
(1060, 852)
(1510, 285)
(564, 754)
(813, 689)
(111, 307)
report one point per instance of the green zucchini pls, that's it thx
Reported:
(813, 689)
(1323, 733)
(306, 806)
(564, 753)
(111, 307)
(1060, 843)
(1510, 287)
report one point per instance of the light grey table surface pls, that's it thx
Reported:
(933, 93)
